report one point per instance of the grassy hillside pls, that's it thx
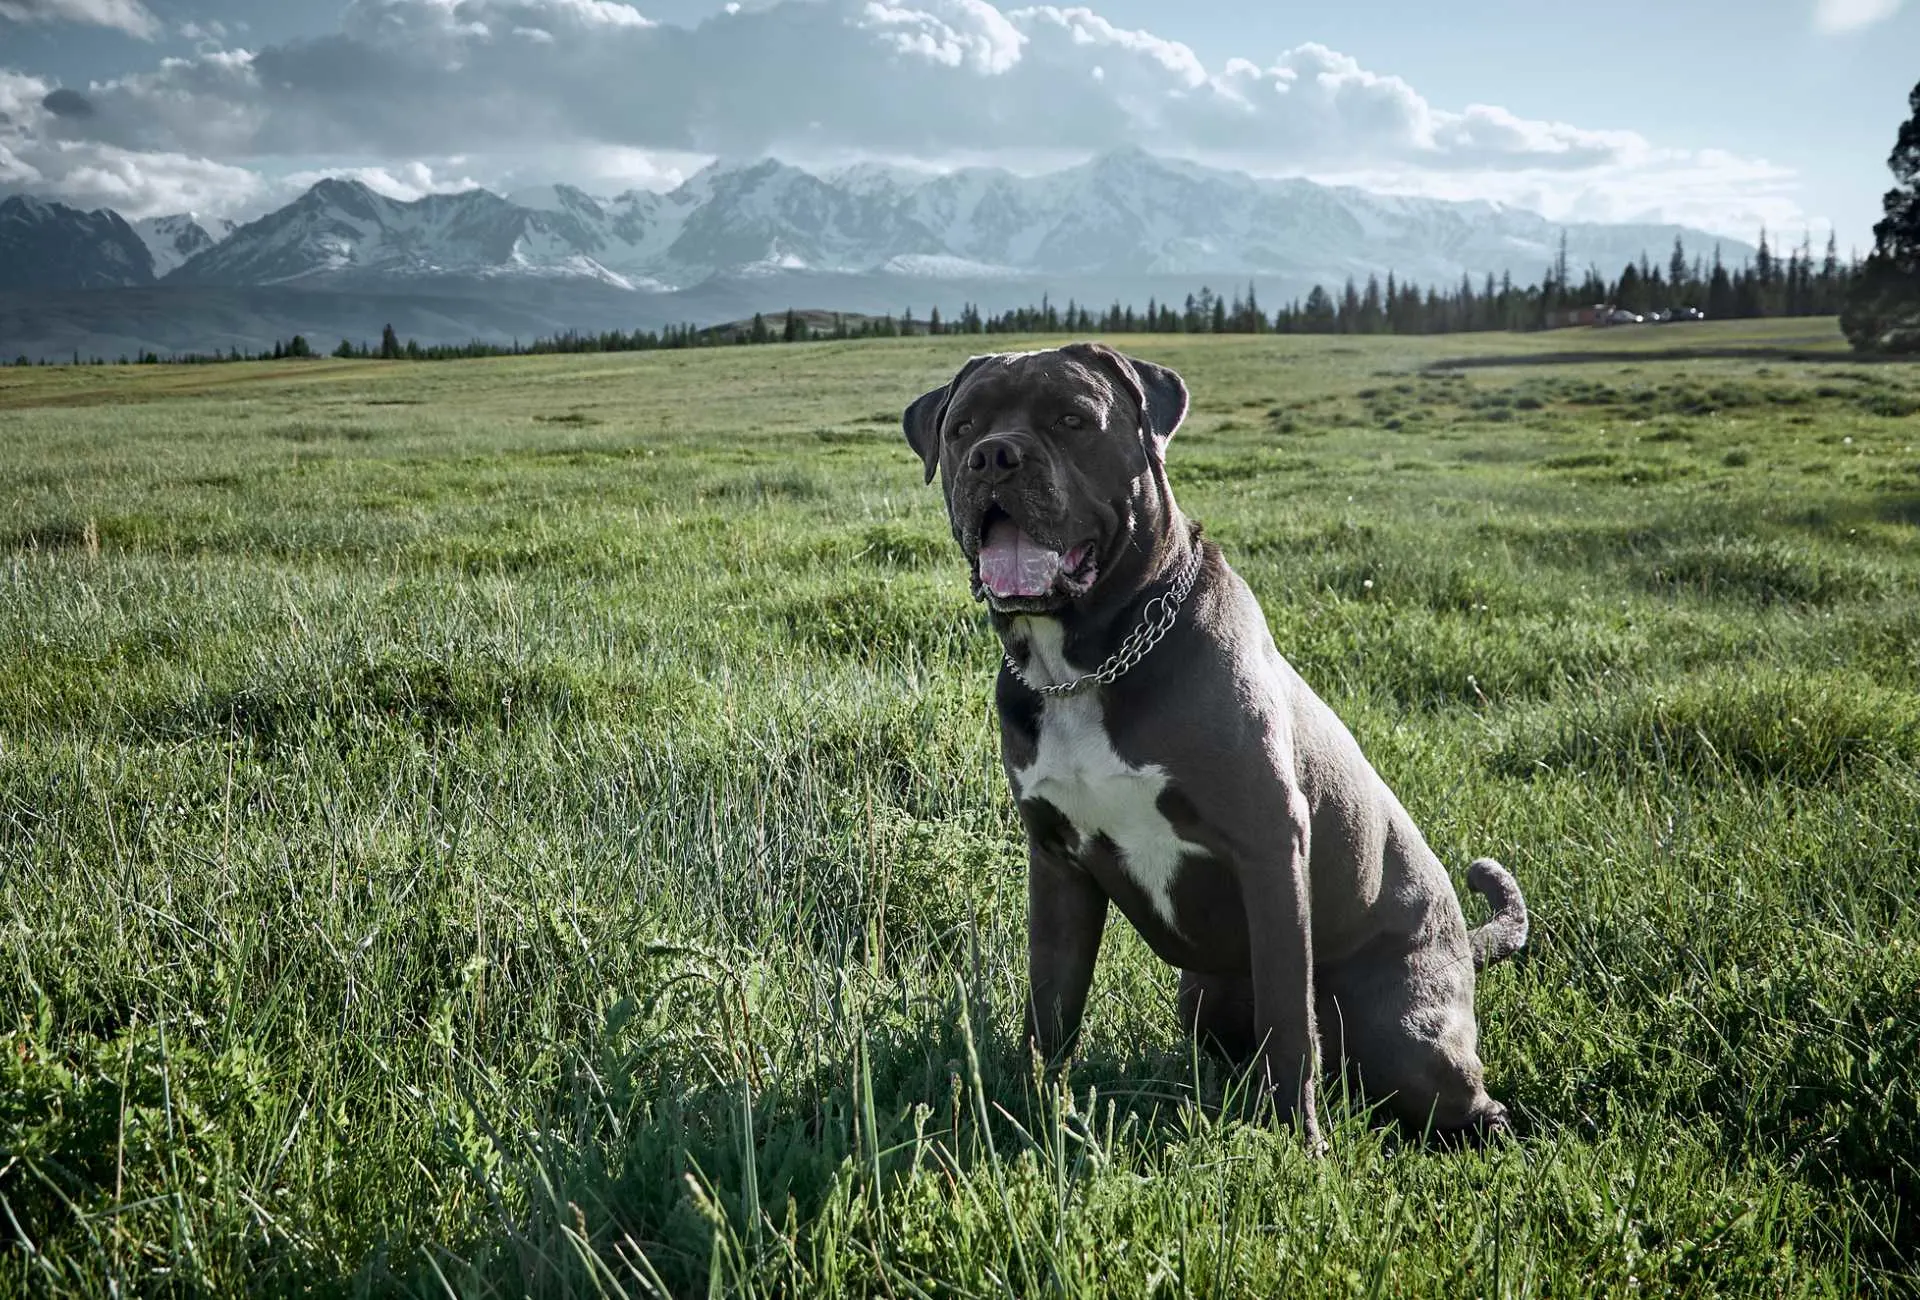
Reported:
(535, 826)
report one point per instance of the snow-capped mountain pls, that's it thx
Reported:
(52, 246)
(343, 228)
(1127, 213)
(172, 240)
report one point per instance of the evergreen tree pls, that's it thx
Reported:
(1349, 318)
(389, 344)
(1720, 300)
(1827, 292)
(1883, 303)
(1373, 316)
(1628, 293)
(1318, 317)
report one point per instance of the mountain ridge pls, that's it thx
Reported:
(764, 235)
(1125, 212)
(48, 245)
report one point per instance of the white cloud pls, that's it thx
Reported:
(513, 85)
(129, 16)
(934, 78)
(151, 184)
(403, 181)
(968, 34)
(1851, 15)
(90, 174)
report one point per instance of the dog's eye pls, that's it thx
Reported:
(963, 428)
(1071, 421)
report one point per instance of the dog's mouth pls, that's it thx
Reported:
(1012, 571)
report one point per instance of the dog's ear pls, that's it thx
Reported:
(1158, 390)
(923, 418)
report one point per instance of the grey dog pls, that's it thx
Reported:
(1166, 758)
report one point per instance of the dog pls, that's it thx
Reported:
(1166, 759)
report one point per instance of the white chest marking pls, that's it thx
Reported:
(1076, 769)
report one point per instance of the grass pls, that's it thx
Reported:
(534, 827)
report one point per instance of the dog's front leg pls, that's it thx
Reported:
(1066, 915)
(1280, 940)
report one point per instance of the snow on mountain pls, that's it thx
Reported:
(773, 214)
(1123, 215)
(343, 228)
(172, 240)
(945, 266)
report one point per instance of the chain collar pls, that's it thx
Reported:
(1156, 619)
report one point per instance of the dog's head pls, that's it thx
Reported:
(1053, 465)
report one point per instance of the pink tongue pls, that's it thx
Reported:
(1013, 564)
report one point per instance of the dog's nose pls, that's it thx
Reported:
(996, 459)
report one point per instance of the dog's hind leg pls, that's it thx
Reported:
(1217, 1012)
(1401, 1022)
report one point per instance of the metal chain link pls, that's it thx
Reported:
(1156, 620)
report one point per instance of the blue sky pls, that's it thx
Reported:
(1716, 113)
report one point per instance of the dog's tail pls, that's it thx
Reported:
(1506, 933)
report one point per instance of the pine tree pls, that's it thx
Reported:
(1627, 293)
(1827, 295)
(1720, 300)
(1349, 318)
(389, 344)
(1883, 302)
(1373, 316)
(1318, 317)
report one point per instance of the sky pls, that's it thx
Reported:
(1722, 114)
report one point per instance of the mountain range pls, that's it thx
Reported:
(760, 236)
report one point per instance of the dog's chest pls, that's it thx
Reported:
(1076, 769)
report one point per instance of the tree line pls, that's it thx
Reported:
(1882, 312)
(1765, 285)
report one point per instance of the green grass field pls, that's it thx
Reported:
(535, 826)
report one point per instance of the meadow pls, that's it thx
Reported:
(535, 826)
